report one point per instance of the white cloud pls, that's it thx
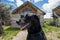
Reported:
(53, 1)
(11, 0)
(27, 0)
(51, 4)
(37, 1)
(19, 2)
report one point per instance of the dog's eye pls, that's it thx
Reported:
(22, 16)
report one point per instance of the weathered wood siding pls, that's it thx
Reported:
(16, 17)
(42, 19)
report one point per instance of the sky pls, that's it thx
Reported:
(45, 5)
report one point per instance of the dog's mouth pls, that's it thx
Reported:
(24, 26)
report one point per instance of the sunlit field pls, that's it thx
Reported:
(52, 32)
(9, 33)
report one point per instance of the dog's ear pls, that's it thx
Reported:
(27, 17)
(36, 17)
(26, 14)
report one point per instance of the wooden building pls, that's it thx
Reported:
(26, 8)
(56, 16)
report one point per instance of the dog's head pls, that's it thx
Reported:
(28, 21)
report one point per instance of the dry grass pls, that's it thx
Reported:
(52, 33)
(9, 33)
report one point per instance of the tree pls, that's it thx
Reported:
(4, 15)
(6, 18)
(1, 29)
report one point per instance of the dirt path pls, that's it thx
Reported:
(21, 36)
(0, 38)
(52, 36)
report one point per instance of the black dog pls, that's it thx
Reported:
(33, 26)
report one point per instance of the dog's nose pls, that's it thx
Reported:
(18, 22)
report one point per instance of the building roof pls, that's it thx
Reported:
(28, 4)
(57, 10)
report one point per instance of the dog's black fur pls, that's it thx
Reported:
(35, 31)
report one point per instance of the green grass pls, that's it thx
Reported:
(51, 31)
(9, 33)
(58, 36)
(51, 28)
(48, 21)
